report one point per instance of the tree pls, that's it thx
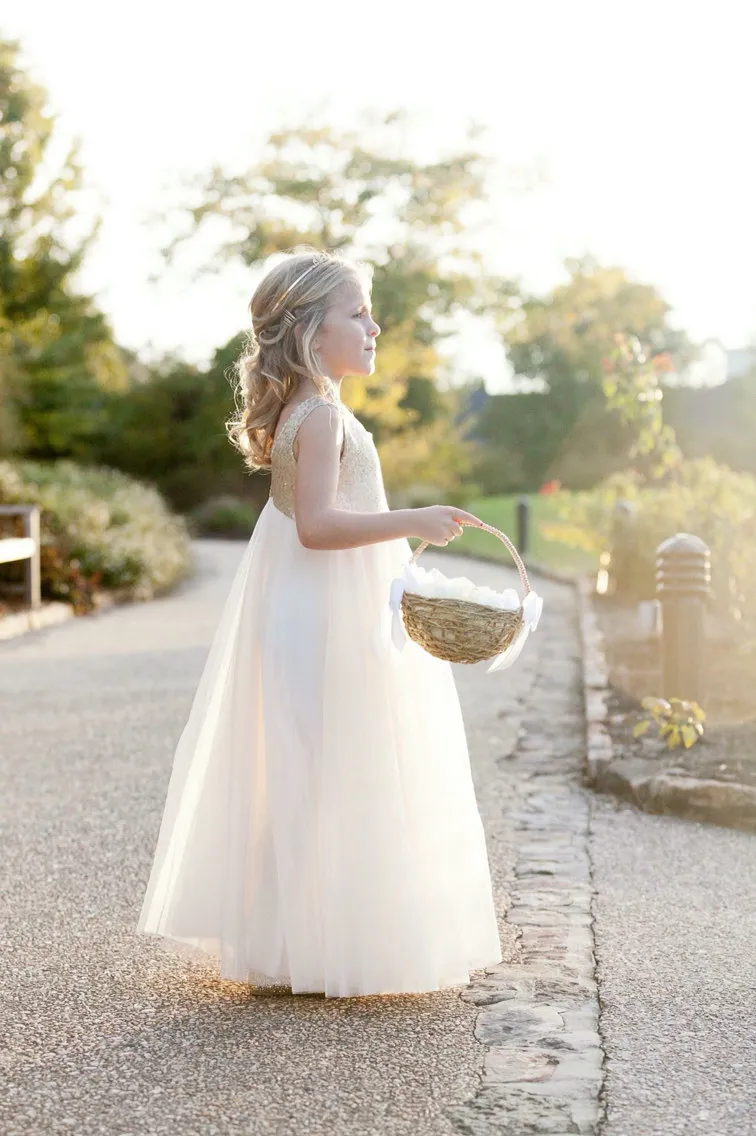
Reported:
(563, 340)
(717, 422)
(168, 429)
(353, 190)
(562, 337)
(57, 351)
(632, 387)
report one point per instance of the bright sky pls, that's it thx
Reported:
(638, 114)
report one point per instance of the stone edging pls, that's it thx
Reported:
(538, 1011)
(50, 615)
(538, 1015)
(639, 780)
(20, 622)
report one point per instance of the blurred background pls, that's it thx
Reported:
(558, 201)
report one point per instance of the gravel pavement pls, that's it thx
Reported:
(106, 1032)
(675, 933)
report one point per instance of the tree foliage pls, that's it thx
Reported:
(355, 191)
(633, 388)
(170, 431)
(719, 422)
(561, 338)
(579, 427)
(57, 354)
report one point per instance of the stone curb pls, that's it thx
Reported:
(21, 622)
(538, 1015)
(638, 780)
(538, 1012)
(50, 615)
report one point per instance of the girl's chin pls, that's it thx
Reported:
(363, 368)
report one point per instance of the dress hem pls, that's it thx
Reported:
(181, 948)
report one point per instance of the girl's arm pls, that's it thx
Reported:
(321, 525)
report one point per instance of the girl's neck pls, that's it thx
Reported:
(332, 386)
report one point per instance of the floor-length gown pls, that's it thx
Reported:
(320, 829)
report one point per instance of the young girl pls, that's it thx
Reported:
(320, 829)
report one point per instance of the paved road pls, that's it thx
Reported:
(107, 1033)
(675, 943)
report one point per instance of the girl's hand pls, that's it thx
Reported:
(438, 524)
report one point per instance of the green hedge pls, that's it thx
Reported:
(224, 516)
(101, 530)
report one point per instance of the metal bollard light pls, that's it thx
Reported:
(683, 576)
(523, 519)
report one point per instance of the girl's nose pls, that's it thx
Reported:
(375, 329)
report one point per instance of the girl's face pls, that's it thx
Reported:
(345, 342)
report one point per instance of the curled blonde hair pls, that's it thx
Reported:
(293, 296)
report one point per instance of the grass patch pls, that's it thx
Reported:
(501, 513)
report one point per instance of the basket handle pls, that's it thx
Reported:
(502, 537)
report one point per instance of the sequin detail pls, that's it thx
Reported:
(360, 485)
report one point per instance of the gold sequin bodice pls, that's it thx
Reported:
(360, 488)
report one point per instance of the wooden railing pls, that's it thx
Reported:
(26, 547)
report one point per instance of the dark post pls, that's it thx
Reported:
(523, 517)
(683, 575)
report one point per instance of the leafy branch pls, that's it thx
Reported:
(631, 382)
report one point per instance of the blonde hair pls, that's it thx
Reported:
(294, 295)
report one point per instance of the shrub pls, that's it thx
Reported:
(100, 529)
(699, 497)
(224, 516)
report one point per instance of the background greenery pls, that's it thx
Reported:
(542, 549)
(99, 530)
(592, 409)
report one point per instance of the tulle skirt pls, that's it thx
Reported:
(320, 829)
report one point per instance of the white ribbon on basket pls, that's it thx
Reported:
(416, 579)
(532, 606)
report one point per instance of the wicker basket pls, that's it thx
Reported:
(460, 631)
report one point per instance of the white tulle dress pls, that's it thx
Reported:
(320, 829)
